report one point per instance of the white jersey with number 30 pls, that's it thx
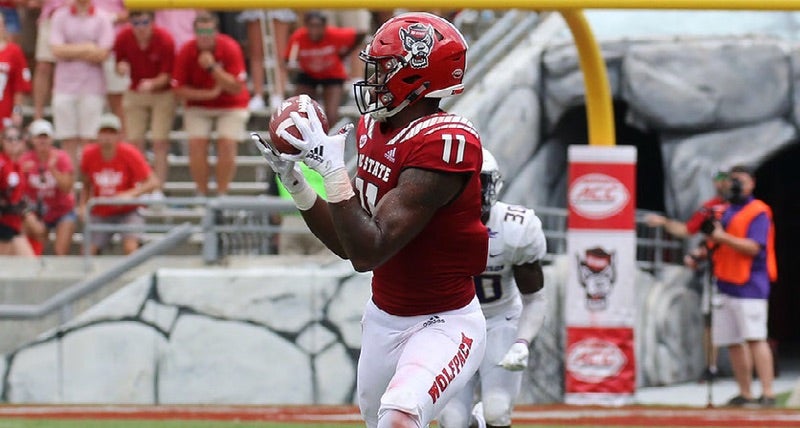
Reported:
(515, 238)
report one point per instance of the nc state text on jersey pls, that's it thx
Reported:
(374, 167)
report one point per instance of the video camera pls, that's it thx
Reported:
(712, 216)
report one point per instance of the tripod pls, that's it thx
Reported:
(708, 289)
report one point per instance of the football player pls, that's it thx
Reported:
(512, 298)
(411, 215)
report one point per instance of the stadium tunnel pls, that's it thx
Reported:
(777, 184)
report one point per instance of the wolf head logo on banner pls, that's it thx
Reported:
(597, 273)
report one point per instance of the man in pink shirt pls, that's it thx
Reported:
(116, 83)
(81, 38)
(210, 77)
(43, 72)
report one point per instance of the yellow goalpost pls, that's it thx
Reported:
(599, 108)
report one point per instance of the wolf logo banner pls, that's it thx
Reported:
(597, 273)
(600, 306)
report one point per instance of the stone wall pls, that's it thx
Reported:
(286, 335)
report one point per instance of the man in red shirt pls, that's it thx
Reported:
(315, 59)
(210, 76)
(412, 215)
(49, 176)
(15, 79)
(147, 54)
(710, 209)
(113, 168)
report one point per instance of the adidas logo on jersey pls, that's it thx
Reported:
(390, 154)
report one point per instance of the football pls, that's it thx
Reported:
(281, 121)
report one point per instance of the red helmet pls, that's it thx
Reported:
(412, 55)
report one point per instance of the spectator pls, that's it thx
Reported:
(697, 258)
(210, 76)
(315, 60)
(81, 40)
(147, 54)
(744, 265)
(113, 168)
(179, 23)
(13, 28)
(116, 84)
(296, 237)
(43, 71)
(16, 78)
(12, 192)
(49, 177)
(361, 20)
(255, 20)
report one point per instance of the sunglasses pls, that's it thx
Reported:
(205, 31)
(140, 22)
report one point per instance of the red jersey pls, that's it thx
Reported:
(187, 72)
(12, 190)
(15, 76)
(714, 206)
(322, 59)
(41, 188)
(433, 272)
(156, 58)
(111, 176)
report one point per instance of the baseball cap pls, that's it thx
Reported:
(40, 127)
(109, 121)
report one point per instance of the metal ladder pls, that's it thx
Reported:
(275, 84)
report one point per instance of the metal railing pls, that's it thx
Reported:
(247, 225)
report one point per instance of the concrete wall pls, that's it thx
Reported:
(285, 335)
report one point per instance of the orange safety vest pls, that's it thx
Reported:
(733, 266)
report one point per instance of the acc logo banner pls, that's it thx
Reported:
(593, 360)
(601, 196)
(599, 361)
(598, 196)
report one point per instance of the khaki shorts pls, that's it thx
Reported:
(115, 84)
(153, 110)
(360, 19)
(738, 320)
(229, 123)
(77, 116)
(43, 51)
(102, 239)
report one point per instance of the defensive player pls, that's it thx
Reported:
(512, 298)
(411, 215)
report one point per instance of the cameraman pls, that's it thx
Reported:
(744, 264)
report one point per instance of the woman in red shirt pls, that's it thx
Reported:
(315, 59)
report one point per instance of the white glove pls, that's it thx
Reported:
(516, 358)
(287, 170)
(318, 150)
